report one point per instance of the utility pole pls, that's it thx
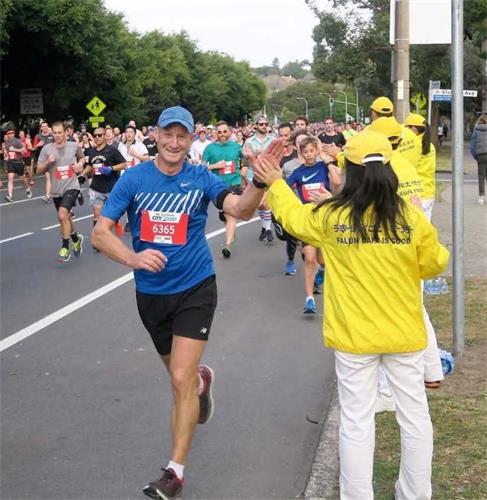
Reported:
(457, 171)
(400, 69)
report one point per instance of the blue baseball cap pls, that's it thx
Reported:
(176, 114)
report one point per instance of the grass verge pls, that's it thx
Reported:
(458, 409)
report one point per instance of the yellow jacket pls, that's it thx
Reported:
(427, 169)
(410, 183)
(409, 147)
(372, 298)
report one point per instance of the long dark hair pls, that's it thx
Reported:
(374, 185)
(426, 140)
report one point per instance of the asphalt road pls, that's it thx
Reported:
(85, 402)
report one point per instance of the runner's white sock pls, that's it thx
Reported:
(177, 468)
(309, 297)
(267, 219)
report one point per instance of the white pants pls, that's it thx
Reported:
(357, 376)
(427, 206)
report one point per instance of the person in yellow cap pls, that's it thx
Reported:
(410, 183)
(426, 167)
(409, 148)
(410, 188)
(377, 248)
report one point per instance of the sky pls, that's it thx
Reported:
(253, 30)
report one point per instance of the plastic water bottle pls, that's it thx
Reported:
(447, 362)
(444, 286)
(428, 287)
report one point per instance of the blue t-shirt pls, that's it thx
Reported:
(306, 179)
(145, 187)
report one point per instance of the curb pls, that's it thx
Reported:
(323, 479)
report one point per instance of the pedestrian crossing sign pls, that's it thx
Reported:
(96, 106)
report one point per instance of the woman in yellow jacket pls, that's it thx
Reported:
(426, 167)
(377, 247)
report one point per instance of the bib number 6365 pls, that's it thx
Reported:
(167, 228)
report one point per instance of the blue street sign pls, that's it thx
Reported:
(444, 98)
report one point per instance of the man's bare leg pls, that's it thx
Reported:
(182, 365)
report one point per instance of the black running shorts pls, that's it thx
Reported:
(67, 200)
(15, 167)
(186, 314)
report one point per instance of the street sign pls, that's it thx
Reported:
(447, 92)
(419, 100)
(96, 119)
(435, 84)
(31, 102)
(442, 97)
(96, 106)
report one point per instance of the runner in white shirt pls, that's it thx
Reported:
(198, 147)
(134, 151)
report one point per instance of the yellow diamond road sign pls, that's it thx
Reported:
(419, 100)
(96, 106)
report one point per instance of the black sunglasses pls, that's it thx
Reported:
(263, 123)
(98, 135)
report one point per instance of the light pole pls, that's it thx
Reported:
(346, 103)
(331, 100)
(356, 103)
(306, 106)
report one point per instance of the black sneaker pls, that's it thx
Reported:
(206, 397)
(169, 486)
(262, 235)
(226, 252)
(269, 236)
(9, 198)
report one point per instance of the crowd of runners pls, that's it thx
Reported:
(355, 202)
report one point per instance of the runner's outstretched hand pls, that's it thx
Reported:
(267, 169)
(275, 149)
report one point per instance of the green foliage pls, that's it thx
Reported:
(74, 50)
(352, 46)
(285, 105)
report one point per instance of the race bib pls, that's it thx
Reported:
(318, 187)
(64, 172)
(96, 168)
(164, 227)
(229, 168)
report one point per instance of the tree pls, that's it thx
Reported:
(352, 46)
(75, 50)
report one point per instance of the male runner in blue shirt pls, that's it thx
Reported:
(166, 200)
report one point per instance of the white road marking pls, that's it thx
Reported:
(7, 203)
(61, 313)
(15, 187)
(74, 220)
(30, 330)
(15, 237)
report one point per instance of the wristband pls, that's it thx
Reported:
(258, 185)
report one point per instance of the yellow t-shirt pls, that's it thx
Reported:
(372, 295)
(427, 169)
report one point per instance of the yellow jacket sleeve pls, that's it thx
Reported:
(427, 171)
(297, 219)
(432, 255)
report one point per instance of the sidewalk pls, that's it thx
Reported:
(323, 479)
